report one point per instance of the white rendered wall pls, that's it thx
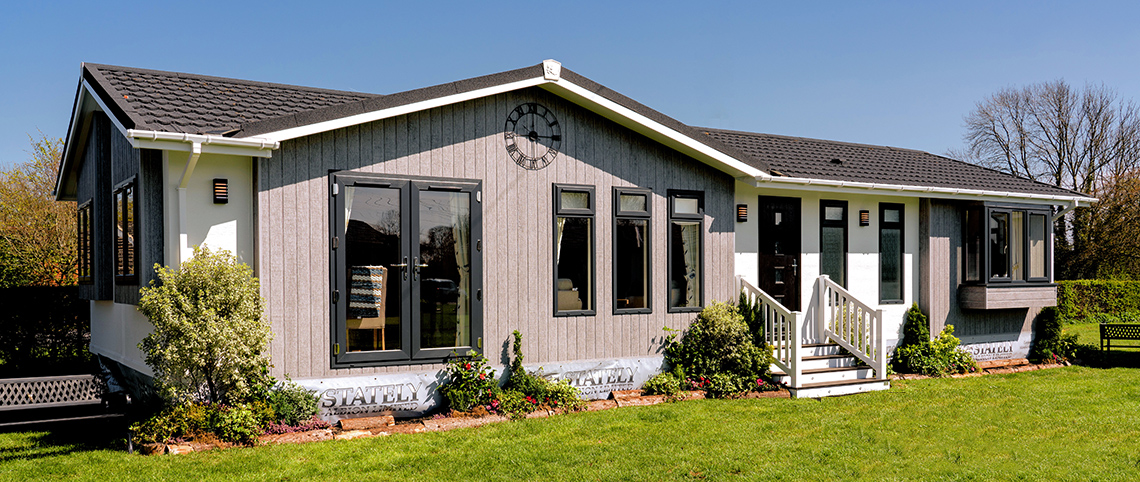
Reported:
(862, 248)
(116, 330)
(218, 226)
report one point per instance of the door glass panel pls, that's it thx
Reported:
(890, 267)
(632, 262)
(832, 254)
(444, 269)
(372, 249)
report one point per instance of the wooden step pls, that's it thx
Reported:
(839, 388)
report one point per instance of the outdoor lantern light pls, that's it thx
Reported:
(741, 213)
(864, 217)
(221, 191)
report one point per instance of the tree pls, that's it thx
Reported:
(37, 233)
(209, 339)
(1087, 141)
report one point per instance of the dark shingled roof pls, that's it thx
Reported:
(843, 161)
(198, 104)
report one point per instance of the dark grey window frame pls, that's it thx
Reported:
(338, 299)
(984, 212)
(84, 236)
(824, 223)
(647, 216)
(901, 226)
(673, 195)
(591, 213)
(122, 277)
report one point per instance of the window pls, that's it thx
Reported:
(833, 240)
(890, 253)
(83, 243)
(1007, 244)
(686, 250)
(406, 269)
(631, 261)
(126, 239)
(573, 250)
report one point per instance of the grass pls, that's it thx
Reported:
(1072, 423)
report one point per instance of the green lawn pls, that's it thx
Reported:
(1072, 423)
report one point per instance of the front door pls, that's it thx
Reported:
(779, 249)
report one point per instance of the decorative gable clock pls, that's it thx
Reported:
(533, 136)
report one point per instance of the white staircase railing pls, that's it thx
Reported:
(852, 324)
(781, 331)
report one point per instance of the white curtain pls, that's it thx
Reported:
(558, 242)
(461, 230)
(690, 239)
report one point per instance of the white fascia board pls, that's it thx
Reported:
(83, 106)
(306, 130)
(882, 189)
(654, 130)
(102, 106)
(211, 144)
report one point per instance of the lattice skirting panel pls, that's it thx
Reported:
(44, 392)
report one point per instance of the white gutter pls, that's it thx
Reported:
(208, 143)
(854, 187)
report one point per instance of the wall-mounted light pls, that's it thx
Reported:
(741, 213)
(864, 217)
(221, 191)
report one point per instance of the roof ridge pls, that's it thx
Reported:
(189, 76)
(828, 141)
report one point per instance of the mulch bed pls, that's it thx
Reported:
(349, 429)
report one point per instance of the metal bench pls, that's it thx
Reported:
(1118, 331)
(39, 393)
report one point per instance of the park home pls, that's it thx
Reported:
(390, 232)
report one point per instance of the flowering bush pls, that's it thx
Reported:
(470, 383)
(719, 351)
(939, 357)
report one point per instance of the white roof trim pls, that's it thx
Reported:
(211, 144)
(306, 130)
(853, 187)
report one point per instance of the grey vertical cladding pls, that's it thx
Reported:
(125, 163)
(94, 183)
(466, 141)
(940, 268)
(151, 220)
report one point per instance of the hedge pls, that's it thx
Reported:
(1082, 299)
(44, 330)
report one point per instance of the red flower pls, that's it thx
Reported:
(466, 366)
(482, 376)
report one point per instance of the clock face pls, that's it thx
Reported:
(533, 136)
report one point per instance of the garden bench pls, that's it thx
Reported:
(35, 396)
(1118, 331)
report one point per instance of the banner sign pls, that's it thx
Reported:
(1002, 350)
(407, 395)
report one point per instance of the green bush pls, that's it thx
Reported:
(719, 342)
(209, 340)
(470, 383)
(238, 424)
(916, 327)
(1050, 343)
(753, 317)
(663, 384)
(292, 403)
(938, 357)
(535, 390)
(1082, 299)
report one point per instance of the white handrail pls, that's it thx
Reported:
(781, 330)
(852, 324)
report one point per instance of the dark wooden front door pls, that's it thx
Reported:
(780, 249)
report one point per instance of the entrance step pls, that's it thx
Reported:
(830, 374)
(837, 388)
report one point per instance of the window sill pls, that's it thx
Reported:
(686, 309)
(575, 313)
(1006, 296)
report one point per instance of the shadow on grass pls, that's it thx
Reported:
(1095, 358)
(50, 439)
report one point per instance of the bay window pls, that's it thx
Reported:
(1007, 244)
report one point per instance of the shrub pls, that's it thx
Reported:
(236, 424)
(663, 384)
(1081, 299)
(209, 340)
(292, 403)
(470, 383)
(916, 327)
(1050, 344)
(939, 357)
(535, 390)
(719, 342)
(753, 318)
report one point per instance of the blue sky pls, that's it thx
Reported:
(892, 73)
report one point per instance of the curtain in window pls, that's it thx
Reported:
(461, 230)
(348, 192)
(558, 242)
(690, 239)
